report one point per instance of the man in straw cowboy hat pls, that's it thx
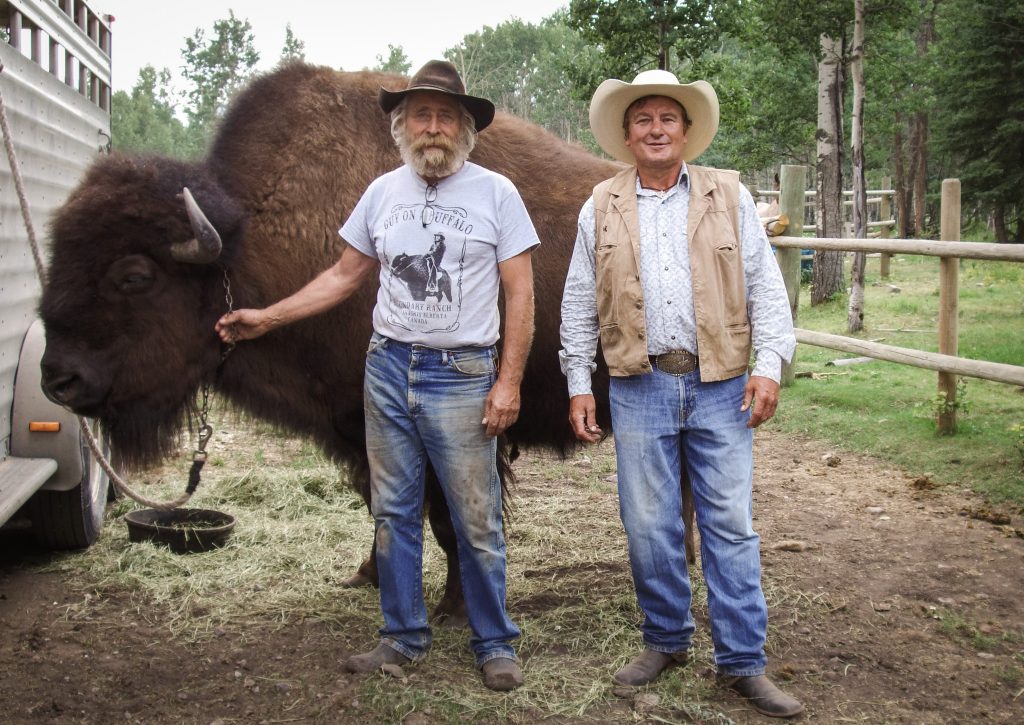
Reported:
(672, 272)
(433, 393)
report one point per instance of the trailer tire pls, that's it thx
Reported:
(72, 519)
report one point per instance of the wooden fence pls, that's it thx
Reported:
(949, 249)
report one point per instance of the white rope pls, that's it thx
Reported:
(118, 482)
(26, 214)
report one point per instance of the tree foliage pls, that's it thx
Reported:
(294, 49)
(216, 67)
(766, 106)
(979, 112)
(396, 62)
(521, 67)
(636, 35)
(145, 120)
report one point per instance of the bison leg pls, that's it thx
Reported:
(689, 519)
(451, 610)
(366, 574)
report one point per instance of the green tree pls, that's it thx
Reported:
(894, 75)
(767, 108)
(521, 68)
(216, 68)
(294, 49)
(145, 120)
(636, 35)
(979, 116)
(396, 62)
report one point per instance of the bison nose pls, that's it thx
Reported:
(69, 389)
(59, 386)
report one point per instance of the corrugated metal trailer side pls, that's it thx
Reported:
(56, 92)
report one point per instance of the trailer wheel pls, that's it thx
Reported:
(72, 519)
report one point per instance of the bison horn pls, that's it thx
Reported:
(206, 245)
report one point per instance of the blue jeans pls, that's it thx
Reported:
(660, 422)
(424, 405)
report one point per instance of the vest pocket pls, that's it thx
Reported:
(611, 336)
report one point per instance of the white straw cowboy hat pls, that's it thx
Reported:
(441, 76)
(613, 97)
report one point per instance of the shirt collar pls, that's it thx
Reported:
(682, 182)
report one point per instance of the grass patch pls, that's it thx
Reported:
(960, 629)
(889, 410)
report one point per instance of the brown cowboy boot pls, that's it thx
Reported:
(763, 695)
(375, 659)
(646, 667)
(502, 674)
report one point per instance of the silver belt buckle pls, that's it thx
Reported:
(676, 362)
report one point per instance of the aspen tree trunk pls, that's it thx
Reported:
(827, 279)
(855, 311)
(919, 134)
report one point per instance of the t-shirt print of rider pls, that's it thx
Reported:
(424, 248)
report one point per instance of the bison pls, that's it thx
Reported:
(132, 298)
(134, 288)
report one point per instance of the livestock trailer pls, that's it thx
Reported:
(56, 93)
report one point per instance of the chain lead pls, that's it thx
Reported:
(230, 301)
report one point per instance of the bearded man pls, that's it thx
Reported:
(433, 390)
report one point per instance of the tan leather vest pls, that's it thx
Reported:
(716, 269)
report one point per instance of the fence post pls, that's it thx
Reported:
(792, 183)
(949, 293)
(884, 212)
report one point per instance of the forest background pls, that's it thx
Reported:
(943, 89)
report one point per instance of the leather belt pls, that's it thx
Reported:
(675, 362)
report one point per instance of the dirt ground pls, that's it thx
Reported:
(893, 601)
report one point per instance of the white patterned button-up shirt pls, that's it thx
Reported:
(668, 296)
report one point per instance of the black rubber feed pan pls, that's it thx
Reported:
(185, 531)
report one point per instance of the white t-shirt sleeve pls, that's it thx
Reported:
(356, 229)
(517, 231)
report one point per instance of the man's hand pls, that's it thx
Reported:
(501, 409)
(583, 418)
(764, 392)
(242, 325)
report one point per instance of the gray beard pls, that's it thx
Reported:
(434, 164)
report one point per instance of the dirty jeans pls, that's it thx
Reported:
(425, 406)
(660, 422)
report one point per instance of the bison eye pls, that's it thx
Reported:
(131, 275)
(134, 283)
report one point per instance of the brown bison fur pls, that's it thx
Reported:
(130, 335)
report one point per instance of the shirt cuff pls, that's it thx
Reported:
(578, 380)
(768, 365)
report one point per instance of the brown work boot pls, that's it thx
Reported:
(646, 667)
(763, 695)
(375, 659)
(502, 674)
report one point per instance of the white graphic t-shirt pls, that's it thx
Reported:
(439, 249)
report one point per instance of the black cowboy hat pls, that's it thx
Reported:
(441, 76)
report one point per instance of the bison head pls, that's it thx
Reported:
(134, 285)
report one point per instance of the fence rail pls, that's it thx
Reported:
(949, 249)
(924, 247)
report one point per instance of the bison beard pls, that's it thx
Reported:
(129, 327)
